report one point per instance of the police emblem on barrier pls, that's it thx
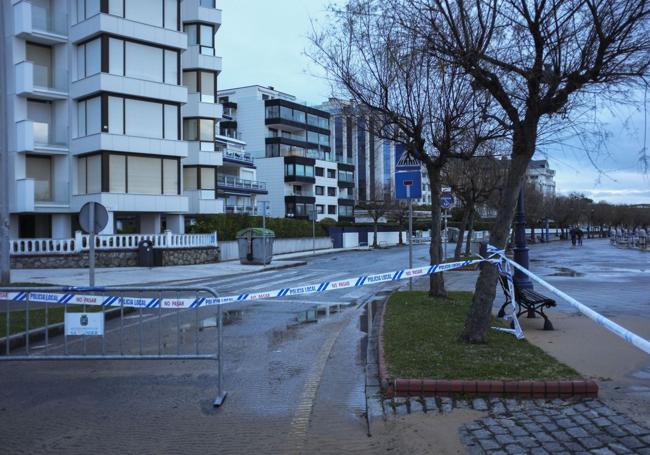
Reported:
(83, 320)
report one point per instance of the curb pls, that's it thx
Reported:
(583, 388)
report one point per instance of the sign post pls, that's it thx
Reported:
(446, 201)
(93, 218)
(408, 185)
(263, 206)
(312, 217)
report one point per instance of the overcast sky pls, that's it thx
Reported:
(263, 42)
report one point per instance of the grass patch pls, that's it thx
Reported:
(421, 341)
(37, 318)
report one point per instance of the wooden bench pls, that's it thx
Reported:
(529, 302)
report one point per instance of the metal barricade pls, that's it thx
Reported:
(135, 325)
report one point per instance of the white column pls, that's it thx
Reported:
(61, 226)
(176, 223)
(150, 223)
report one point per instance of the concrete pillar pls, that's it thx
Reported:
(150, 223)
(13, 227)
(176, 223)
(110, 225)
(61, 226)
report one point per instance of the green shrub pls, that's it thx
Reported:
(227, 226)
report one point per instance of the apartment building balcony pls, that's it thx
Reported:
(238, 157)
(37, 137)
(204, 202)
(104, 82)
(106, 23)
(203, 154)
(201, 57)
(242, 186)
(241, 209)
(34, 195)
(130, 202)
(125, 143)
(230, 110)
(39, 24)
(37, 81)
(200, 11)
(198, 106)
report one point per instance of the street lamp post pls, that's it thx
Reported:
(521, 250)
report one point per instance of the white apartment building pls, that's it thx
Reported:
(542, 176)
(110, 101)
(291, 146)
(355, 141)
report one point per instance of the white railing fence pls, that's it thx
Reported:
(81, 242)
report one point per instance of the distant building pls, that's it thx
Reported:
(356, 140)
(291, 144)
(542, 176)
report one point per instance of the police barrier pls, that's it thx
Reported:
(129, 324)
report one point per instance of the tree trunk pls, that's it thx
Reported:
(461, 232)
(532, 234)
(470, 231)
(436, 280)
(401, 242)
(477, 322)
(374, 239)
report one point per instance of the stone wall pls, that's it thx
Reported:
(114, 258)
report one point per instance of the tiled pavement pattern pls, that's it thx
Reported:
(536, 426)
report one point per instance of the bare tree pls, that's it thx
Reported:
(474, 182)
(423, 103)
(535, 59)
(378, 207)
(399, 213)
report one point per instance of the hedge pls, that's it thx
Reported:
(227, 226)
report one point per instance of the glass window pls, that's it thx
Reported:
(312, 137)
(320, 209)
(81, 118)
(331, 209)
(208, 178)
(171, 67)
(116, 7)
(189, 179)
(299, 116)
(331, 173)
(207, 36)
(41, 58)
(115, 115)
(300, 170)
(144, 62)
(81, 61)
(272, 111)
(145, 11)
(286, 113)
(300, 210)
(309, 171)
(323, 139)
(312, 120)
(171, 14)
(117, 173)
(171, 122)
(116, 56)
(189, 81)
(81, 10)
(207, 130)
(94, 174)
(191, 129)
(144, 175)
(320, 190)
(93, 57)
(331, 191)
(92, 8)
(320, 172)
(170, 176)
(143, 118)
(190, 30)
(93, 116)
(207, 87)
(81, 176)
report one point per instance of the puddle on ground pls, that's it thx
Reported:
(563, 271)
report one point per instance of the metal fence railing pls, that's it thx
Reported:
(117, 323)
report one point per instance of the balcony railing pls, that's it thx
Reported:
(227, 181)
(240, 209)
(238, 155)
(47, 20)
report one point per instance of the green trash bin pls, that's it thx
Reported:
(255, 245)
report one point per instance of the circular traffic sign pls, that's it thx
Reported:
(446, 200)
(99, 215)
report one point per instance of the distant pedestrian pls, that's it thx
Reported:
(572, 233)
(579, 233)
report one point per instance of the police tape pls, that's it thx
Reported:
(72, 298)
(627, 335)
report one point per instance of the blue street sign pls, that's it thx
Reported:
(446, 200)
(408, 184)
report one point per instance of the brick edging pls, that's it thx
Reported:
(444, 387)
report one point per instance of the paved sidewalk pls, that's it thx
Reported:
(124, 276)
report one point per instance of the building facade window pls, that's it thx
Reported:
(202, 82)
(159, 13)
(346, 176)
(320, 172)
(331, 191)
(127, 173)
(320, 209)
(346, 210)
(331, 173)
(202, 130)
(320, 190)
(298, 170)
(331, 210)
(298, 209)
(202, 35)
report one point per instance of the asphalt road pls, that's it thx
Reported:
(292, 386)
